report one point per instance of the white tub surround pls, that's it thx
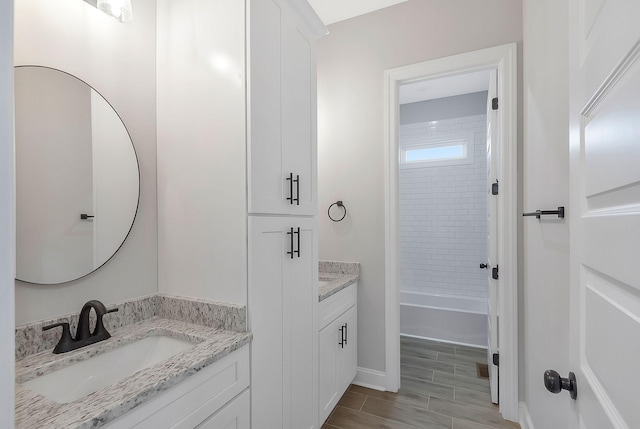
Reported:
(219, 332)
(447, 318)
(335, 276)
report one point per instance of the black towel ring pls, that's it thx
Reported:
(339, 204)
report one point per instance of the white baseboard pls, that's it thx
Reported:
(371, 379)
(525, 418)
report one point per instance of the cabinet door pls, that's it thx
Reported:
(283, 311)
(328, 388)
(338, 345)
(348, 356)
(282, 111)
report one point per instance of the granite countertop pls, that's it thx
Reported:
(335, 276)
(109, 403)
(332, 283)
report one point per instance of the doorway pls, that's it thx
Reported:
(442, 184)
(503, 60)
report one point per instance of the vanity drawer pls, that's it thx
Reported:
(332, 307)
(236, 414)
(189, 403)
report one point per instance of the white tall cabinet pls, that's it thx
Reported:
(282, 206)
(237, 203)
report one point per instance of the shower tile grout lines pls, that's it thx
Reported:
(440, 389)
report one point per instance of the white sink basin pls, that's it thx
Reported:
(82, 378)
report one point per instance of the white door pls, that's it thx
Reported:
(605, 212)
(492, 230)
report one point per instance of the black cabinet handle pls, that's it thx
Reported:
(346, 336)
(291, 180)
(85, 216)
(342, 341)
(290, 234)
(484, 266)
(293, 250)
(290, 197)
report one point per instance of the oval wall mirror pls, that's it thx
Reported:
(77, 177)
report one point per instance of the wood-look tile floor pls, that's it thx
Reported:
(440, 389)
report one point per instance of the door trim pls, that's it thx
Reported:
(504, 59)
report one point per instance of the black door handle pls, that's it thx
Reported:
(555, 384)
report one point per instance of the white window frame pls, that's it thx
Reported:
(467, 139)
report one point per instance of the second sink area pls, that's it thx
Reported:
(335, 276)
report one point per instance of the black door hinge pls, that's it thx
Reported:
(494, 273)
(496, 359)
(494, 103)
(494, 188)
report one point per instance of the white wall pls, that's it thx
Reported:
(75, 37)
(443, 213)
(202, 221)
(546, 186)
(7, 226)
(351, 63)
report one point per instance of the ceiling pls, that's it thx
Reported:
(431, 89)
(331, 11)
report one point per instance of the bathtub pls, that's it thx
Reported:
(453, 319)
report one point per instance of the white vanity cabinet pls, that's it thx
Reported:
(282, 93)
(215, 397)
(283, 300)
(338, 347)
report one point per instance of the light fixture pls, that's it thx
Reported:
(119, 9)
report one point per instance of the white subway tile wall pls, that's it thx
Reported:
(443, 216)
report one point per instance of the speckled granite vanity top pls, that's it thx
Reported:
(105, 405)
(335, 276)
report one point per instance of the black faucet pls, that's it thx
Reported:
(83, 335)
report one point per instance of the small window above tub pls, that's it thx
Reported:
(437, 151)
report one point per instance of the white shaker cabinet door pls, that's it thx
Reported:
(283, 313)
(282, 111)
(348, 362)
(338, 360)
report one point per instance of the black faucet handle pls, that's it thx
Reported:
(65, 325)
(65, 341)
